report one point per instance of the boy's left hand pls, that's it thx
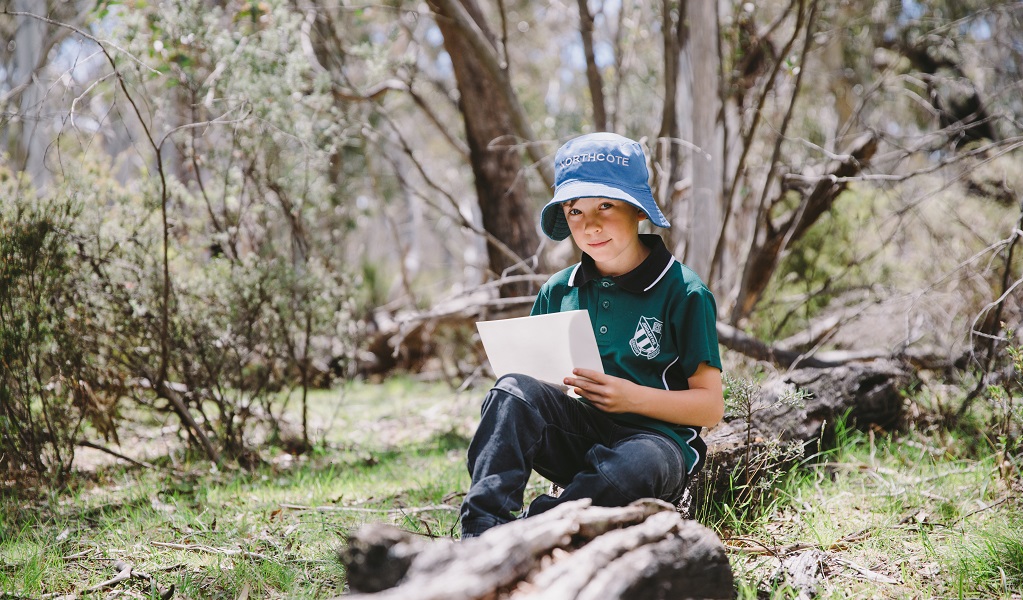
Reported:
(606, 392)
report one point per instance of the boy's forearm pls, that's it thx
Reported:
(696, 406)
(702, 405)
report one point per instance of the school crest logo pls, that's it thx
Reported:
(646, 342)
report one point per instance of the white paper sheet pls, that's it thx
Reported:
(546, 347)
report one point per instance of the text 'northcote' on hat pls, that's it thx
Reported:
(599, 165)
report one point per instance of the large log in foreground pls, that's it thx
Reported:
(575, 551)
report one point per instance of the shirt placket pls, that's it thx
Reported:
(604, 323)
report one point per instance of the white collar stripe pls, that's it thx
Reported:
(661, 276)
(571, 278)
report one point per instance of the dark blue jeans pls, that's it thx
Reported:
(527, 424)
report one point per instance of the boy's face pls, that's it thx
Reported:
(608, 231)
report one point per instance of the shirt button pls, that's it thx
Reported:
(603, 329)
(606, 304)
(607, 284)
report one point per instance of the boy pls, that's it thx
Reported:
(636, 432)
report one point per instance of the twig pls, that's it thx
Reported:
(403, 511)
(211, 550)
(1000, 502)
(124, 574)
(758, 547)
(865, 572)
(137, 463)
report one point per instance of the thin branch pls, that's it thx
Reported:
(776, 153)
(138, 463)
(123, 575)
(360, 509)
(758, 112)
(462, 219)
(994, 504)
(1013, 145)
(212, 550)
(85, 35)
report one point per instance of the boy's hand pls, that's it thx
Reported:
(606, 392)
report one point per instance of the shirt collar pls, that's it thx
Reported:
(638, 280)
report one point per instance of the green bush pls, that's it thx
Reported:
(45, 390)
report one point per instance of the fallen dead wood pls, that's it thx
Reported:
(576, 551)
(393, 511)
(125, 572)
(865, 395)
(212, 550)
(138, 463)
(786, 355)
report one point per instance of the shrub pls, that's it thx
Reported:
(46, 382)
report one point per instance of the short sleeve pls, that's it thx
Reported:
(541, 305)
(698, 334)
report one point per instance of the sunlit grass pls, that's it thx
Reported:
(394, 453)
(891, 519)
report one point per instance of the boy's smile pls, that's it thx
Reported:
(608, 231)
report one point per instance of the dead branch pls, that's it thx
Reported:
(124, 574)
(395, 511)
(734, 339)
(751, 546)
(212, 550)
(866, 573)
(138, 463)
(766, 253)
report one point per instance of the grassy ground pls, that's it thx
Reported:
(879, 517)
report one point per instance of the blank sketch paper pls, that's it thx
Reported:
(546, 347)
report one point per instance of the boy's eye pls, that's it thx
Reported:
(607, 205)
(574, 211)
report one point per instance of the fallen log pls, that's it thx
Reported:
(867, 395)
(575, 551)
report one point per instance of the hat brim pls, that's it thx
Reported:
(552, 218)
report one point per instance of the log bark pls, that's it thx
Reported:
(644, 550)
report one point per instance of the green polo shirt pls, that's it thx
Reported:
(654, 326)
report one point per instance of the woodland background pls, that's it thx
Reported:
(211, 207)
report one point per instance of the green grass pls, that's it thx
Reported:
(900, 516)
(892, 521)
(271, 532)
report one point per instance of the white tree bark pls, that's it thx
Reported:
(28, 56)
(706, 211)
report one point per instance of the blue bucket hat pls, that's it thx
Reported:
(599, 165)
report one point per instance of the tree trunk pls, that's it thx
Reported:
(706, 210)
(29, 46)
(817, 200)
(593, 78)
(575, 551)
(496, 161)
